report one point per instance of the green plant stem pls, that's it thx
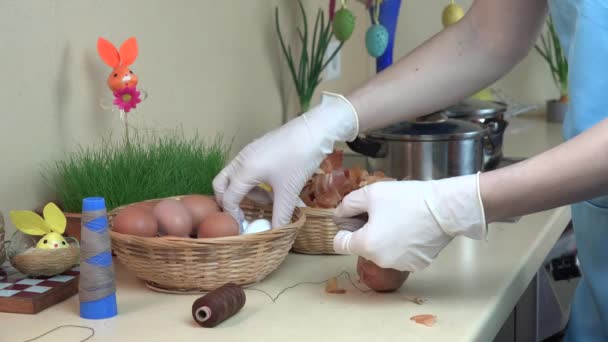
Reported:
(551, 51)
(311, 63)
(304, 105)
(126, 116)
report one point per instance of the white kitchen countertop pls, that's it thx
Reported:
(471, 287)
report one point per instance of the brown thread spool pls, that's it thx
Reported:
(218, 305)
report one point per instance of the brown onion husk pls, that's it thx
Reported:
(380, 279)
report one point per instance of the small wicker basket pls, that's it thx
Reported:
(35, 262)
(46, 262)
(317, 234)
(186, 265)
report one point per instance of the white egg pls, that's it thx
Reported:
(244, 226)
(258, 226)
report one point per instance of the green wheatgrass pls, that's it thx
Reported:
(149, 166)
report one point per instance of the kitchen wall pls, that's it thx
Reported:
(529, 82)
(209, 66)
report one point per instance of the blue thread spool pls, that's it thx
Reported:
(94, 233)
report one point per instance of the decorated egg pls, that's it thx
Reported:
(376, 40)
(199, 207)
(173, 218)
(452, 13)
(343, 24)
(135, 220)
(218, 225)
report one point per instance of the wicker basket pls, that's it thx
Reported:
(183, 265)
(317, 234)
(46, 262)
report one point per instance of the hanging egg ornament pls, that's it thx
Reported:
(343, 24)
(452, 13)
(376, 40)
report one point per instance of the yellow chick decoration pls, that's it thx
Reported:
(51, 227)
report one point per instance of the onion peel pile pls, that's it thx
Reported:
(331, 183)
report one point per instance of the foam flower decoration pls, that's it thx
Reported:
(127, 98)
(332, 9)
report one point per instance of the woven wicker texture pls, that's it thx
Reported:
(188, 264)
(46, 262)
(317, 234)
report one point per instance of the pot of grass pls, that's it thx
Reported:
(149, 166)
(552, 52)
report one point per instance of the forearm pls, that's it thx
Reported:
(571, 172)
(467, 56)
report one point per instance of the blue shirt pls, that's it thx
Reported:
(582, 26)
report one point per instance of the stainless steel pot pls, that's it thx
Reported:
(424, 150)
(489, 114)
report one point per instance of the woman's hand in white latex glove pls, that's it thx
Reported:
(410, 222)
(286, 158)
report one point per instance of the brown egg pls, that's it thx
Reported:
(135, 221)
(173, 218)
(147, 205)
(380, 279)
(199, 207)
(218, 225)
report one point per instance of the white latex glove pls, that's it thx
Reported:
(410, 222)
(286, 158)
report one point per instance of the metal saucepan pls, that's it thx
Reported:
(434, 147)
(490, 115)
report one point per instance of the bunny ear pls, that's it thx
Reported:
(54, 217)
(29, 222)
(108, 53)
(128, 51)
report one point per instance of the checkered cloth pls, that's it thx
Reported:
(15, 284)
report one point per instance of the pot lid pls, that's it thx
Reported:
(475, 108)
(448, 129)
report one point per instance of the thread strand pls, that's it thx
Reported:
(65, 326)
(276, 297)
